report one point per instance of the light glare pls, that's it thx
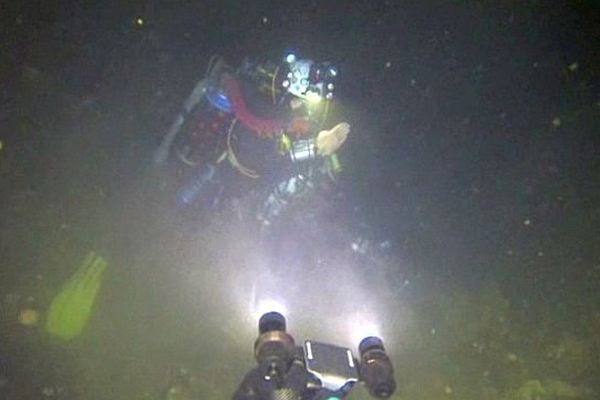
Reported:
(264, 306)
(313, 97)
(362, 326)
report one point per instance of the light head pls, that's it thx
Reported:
(376, 369)
(308, 80)
(274, 348)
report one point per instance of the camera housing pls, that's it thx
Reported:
(333, 366)
(376, 369)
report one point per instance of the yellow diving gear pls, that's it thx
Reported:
(70, 310)
(285, 144)
(233, 160)
(335, 164)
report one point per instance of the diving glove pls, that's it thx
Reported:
(328, 142)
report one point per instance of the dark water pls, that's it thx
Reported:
(472, 171)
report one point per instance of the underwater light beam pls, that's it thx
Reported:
(260, 305)
(362, 325)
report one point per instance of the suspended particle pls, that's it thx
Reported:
(574, 66)
(139, 21)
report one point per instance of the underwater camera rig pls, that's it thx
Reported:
(315, 370)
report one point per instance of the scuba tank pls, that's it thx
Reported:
(203, 182)
(281, 195)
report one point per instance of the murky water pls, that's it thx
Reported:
(465, 231)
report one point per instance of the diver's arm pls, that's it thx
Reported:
(326, 143)
(303, 150)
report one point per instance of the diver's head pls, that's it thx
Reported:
(309, 80)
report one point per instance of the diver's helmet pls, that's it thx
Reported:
(309, 80)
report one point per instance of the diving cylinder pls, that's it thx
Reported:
(280, 196)
(197, 184)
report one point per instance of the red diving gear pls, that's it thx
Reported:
(264, 127)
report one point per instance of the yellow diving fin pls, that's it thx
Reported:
(70, 310)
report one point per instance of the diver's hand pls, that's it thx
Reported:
(328, 142)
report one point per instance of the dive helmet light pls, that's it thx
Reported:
(308, 80)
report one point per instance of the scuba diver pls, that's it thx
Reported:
(314, 371)
(262, 122)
